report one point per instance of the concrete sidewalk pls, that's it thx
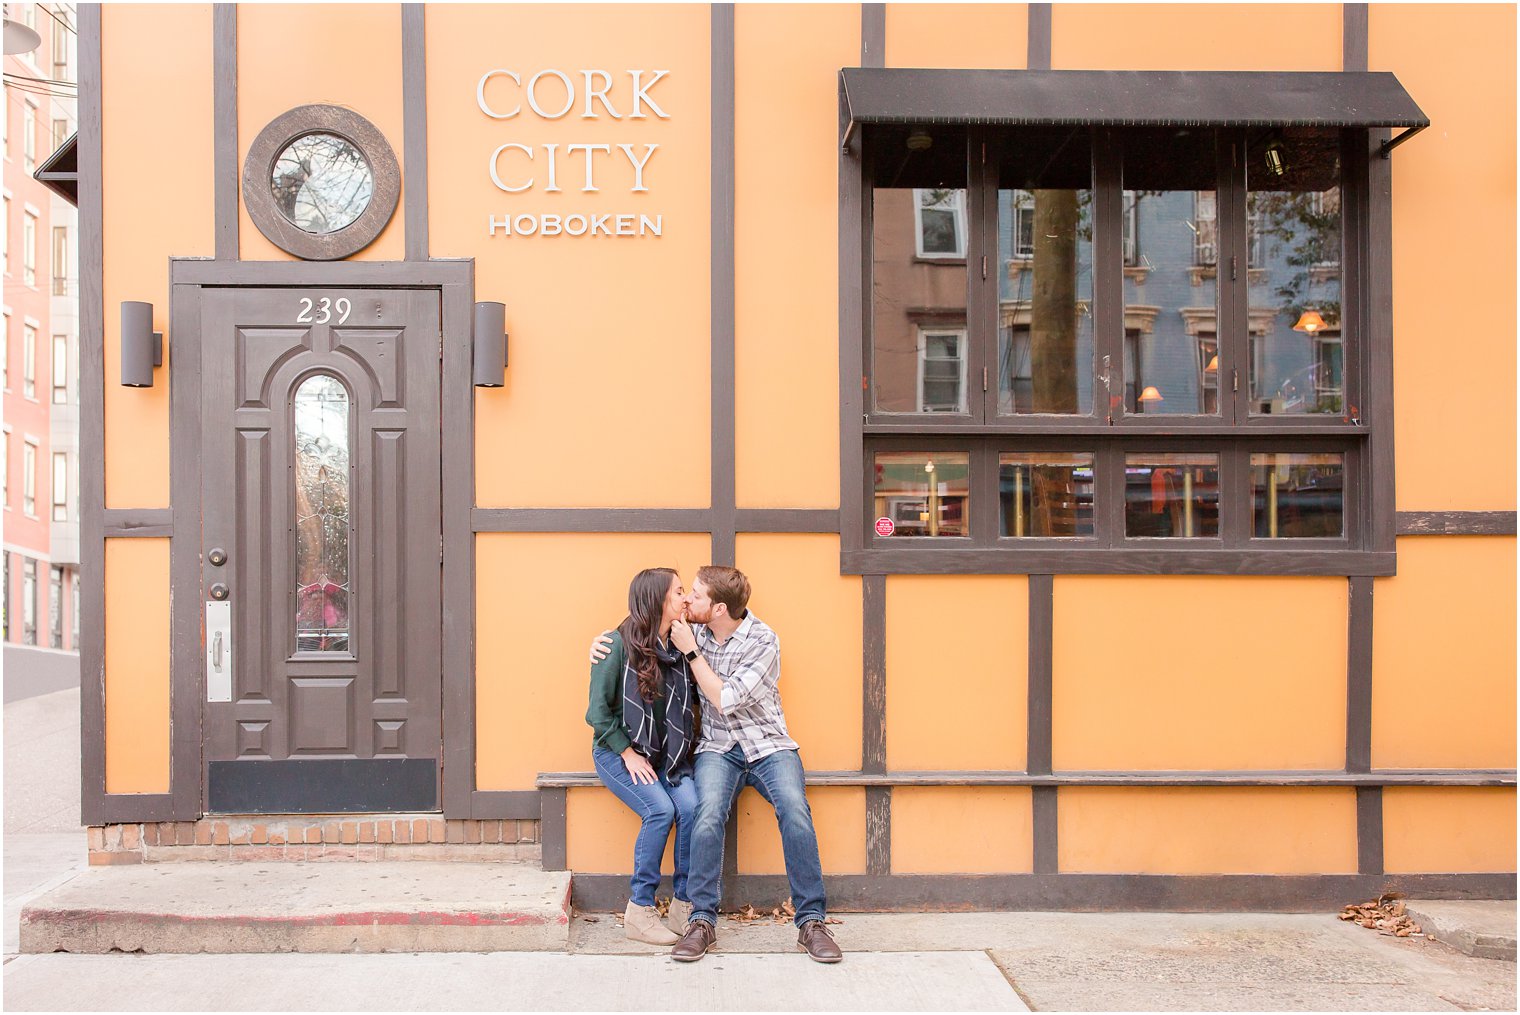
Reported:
(893, 962)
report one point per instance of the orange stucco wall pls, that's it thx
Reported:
(1443, 655)
(1459, 829)
(156, 190)
(1197, 830)
(957, 35)
(623, 323)
(1453, 254)
(957, 695)
(786, 259)
(962, 830)
(1195, 37)
(1199, 673)
(137, 665)
(341, 54)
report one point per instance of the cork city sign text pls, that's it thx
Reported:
(586, 166)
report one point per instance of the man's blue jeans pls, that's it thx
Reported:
(778, 777)
(659, 804)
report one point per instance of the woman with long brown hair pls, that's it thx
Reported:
(641, 712)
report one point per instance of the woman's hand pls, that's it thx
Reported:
(600, 646)
(639, 769)
(681, 636)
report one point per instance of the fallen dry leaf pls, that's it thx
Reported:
(1386, 914)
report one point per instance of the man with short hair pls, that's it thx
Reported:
(736, 661)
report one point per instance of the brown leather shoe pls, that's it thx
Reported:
(700, 936)
(815, 939)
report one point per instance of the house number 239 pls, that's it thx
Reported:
(323, 309)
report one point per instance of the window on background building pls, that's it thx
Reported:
(28, 601)
(28, 361)
(29, 249)
(74, 633)
(61, 131)
(5, 608)
(941, 221)
(5, 237)
(941, 370)
(60, 260)
(60, 54)
(5, 351)
(55, 607)
(28, 136)
(60, 486)
(29, 479)
(60, 369)
(5, 471)
(1114, 294)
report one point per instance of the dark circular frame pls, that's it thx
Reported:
(259, 199)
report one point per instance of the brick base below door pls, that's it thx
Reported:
(315, 837)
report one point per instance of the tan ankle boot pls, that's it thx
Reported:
(679, 915)
(642, 923)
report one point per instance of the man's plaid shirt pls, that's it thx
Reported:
(749, 664)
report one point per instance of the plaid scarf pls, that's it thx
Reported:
(675, 744)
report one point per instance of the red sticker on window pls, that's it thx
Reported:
(884, 527)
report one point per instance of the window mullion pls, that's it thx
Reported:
(981, 283)
(984, 494)
(1108, 278)
(1233, 280)
(1108, 493)
(1235, 495)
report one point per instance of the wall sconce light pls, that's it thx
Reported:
(142, 348)
(490, 345)
(920, 141)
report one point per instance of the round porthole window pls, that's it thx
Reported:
(321, 182)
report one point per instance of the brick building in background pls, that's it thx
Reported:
(40, 346)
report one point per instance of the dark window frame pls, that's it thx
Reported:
(1366, 547)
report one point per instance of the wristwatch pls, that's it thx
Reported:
(691, 656)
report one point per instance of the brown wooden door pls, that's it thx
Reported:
(321, 500)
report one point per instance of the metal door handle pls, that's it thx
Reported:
(216, 652)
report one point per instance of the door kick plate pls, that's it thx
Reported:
(218, 651)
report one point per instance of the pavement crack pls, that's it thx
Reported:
(1008, 975)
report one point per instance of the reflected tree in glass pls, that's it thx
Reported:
(321, 183)
(322, 495)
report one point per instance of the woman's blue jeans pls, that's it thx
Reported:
(658, 805)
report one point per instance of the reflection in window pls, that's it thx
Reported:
(941, 215)
(1046, 494)
(1171, 202)
(1045, 273)
(1297, 496)
(1171, 495)
(321, 183)
(1293, 195)
(942, 371)
(918, 270)
(322, 492)
(923, 494)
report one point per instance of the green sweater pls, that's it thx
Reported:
(604, 714)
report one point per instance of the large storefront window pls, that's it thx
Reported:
(1110, 339)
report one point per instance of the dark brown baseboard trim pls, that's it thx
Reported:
(1456, 523)
(1097, 893)
(515, 805)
